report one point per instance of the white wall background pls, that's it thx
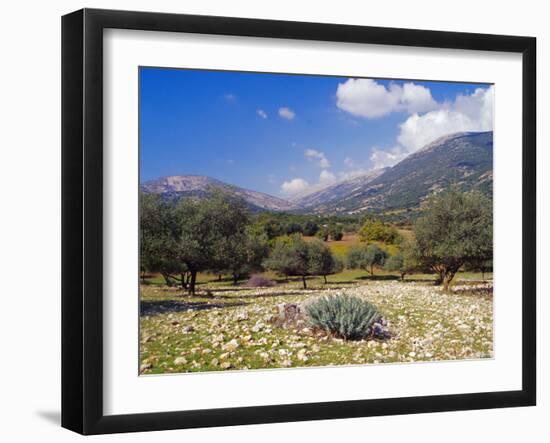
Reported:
(30, 218)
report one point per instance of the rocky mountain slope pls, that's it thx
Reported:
(344, 189)
(465, 159)
(181, 186)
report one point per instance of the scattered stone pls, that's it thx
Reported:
(242, 316)
(258, 327)
(231, 345)
(180, 361)
(188, 329)
(286, 363)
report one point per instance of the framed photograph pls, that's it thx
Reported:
(268, 221)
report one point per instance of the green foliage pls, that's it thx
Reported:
(344, 316)
(247, 253)
(404, 261)
(290, 257)
(322, 261)
(213, 233)
(335, 232)
(275, 224)
(322, 234)
(480, 265)
(456, 228)
(158, 232)
(394, 262)
(366, 257)
(375, 230)
(292, 227)
(310, 228)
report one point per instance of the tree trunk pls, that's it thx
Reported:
(183, 283)
(219, 277)
(325, 277)
(446, 283)
(235, 279)
(371, 269)
(167, 279)
(440, 278)
(483, 274)
(447, 280)
(304, 281)
(403, 276)
(192, 282)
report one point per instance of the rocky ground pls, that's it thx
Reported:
(232, 328)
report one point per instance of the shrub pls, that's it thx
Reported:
(322, 234)
(259, 281)
(310, 228)
(336, 232)
(344, 316)
(376, 230)
(366, 257)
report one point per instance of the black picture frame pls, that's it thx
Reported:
(82, 219)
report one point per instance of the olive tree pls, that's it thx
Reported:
(322, 261)
(336, 232)
(290, 257)
(158, 232)
(247, 252)
(209, 229)
(404, 261)
(455, 228)
(366, 257)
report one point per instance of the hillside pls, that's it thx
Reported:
(181, 186)
(465, 159)
(344, 189)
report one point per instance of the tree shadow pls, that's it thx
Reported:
(379, 277)
(474, 292)
(148, 308)
(263, 295)
(279, 294)
(234, 289)
(336, 283)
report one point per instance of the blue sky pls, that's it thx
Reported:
(291, 134)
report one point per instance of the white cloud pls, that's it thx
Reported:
(348, 161)
(381, 158)
(262, 113)
(312, 154)
(294, 186)
(326, 177)
(347, 175)
(230, 97)
(466, 113)
(286, 113)
(367, 98)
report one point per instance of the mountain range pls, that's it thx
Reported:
(465, 159)
(181, 186)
